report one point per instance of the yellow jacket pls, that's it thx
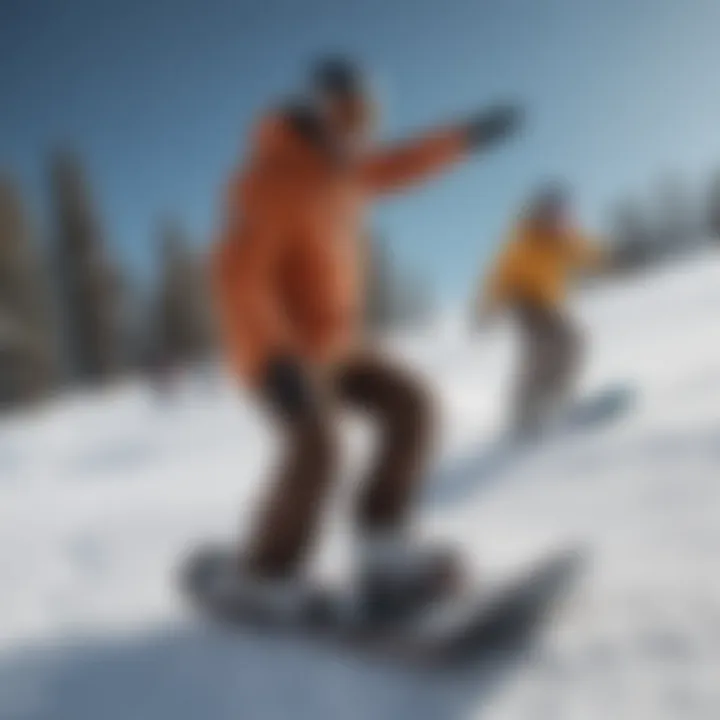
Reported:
(536, 267)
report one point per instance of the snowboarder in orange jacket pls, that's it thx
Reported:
(288, 275)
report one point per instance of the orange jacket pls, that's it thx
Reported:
(287, 268)
(536, 268)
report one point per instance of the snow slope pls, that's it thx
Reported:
(101, 495)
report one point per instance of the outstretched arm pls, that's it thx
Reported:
(398, 167)
(495, 287)
(587, 253)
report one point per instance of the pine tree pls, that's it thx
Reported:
(27, 347)
(632, 239)
(89, 285)
(392, 298)
(380, 297)
(184, 322)
(418, 301)
(675, 227)
(712, 219)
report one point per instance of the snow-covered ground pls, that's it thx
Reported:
(100, 496)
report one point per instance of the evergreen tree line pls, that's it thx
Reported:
(68, 315)
(671, 223)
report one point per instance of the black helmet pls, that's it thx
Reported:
(553, 196)
(337, 76)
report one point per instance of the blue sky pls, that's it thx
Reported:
(158, 95)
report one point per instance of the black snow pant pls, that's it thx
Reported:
(399, 409)
(549, 364)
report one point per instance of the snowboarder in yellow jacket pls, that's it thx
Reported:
(530, 278)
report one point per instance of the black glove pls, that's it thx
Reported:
(492, 125)
(287, 387)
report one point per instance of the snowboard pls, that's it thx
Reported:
(473, 626)
(582, 416)
(491, 462)
(603, 406)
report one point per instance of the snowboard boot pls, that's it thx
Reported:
(213, 577)
(399, 581)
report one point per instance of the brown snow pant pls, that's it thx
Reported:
(400, 411)
(550, 361)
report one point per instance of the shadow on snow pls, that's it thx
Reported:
(185, 673)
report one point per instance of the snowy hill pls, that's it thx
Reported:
(101, 495)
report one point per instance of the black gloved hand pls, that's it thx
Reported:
(287, 387)
(492, 125)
